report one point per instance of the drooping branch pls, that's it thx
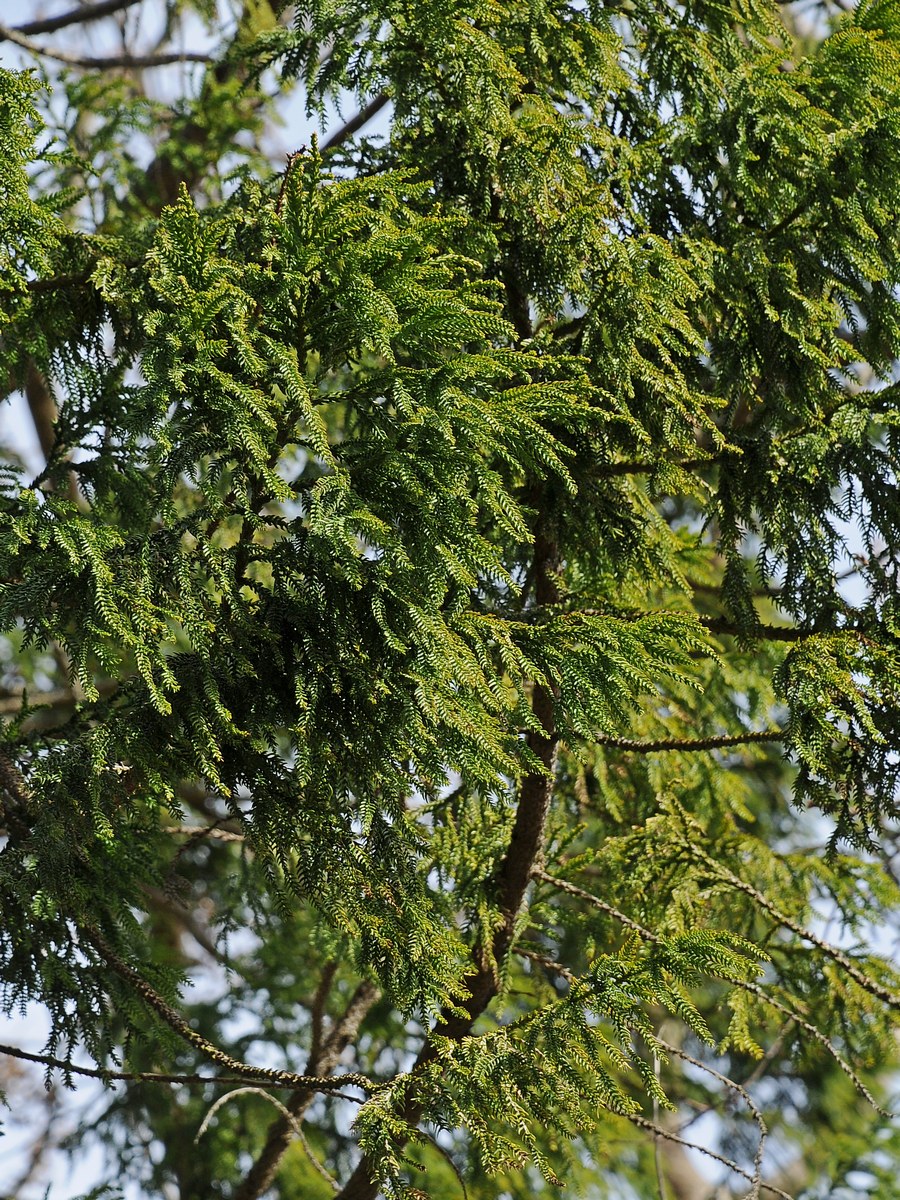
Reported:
(214, 1053)
(739, 1090)
(286, 1114)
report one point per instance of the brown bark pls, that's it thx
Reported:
(322, 1059)
(42, 407)
(522, 856)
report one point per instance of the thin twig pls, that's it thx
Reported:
(136, 61)
(574, 890)
(745, 1096)
(643, 1123)
(184, 916)
(285, 1112)
(755, 990)
(450, 1163)
(868, 985)
(109, 1075)
(770, 1055)
(550, 964)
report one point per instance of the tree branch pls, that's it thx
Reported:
(137, 61)
(769, 633)
(520, 864)
(356, 123)
(201, 832)
(42, 407)
(187, 920)
(215, 1054)
(752, 988)
(739, 1090)
(48, 1060)
(76, 16)
(322, 1060)
(690, 744)
(43, 702)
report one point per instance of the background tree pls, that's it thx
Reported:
(455, 624)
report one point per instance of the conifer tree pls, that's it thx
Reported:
(455, 618)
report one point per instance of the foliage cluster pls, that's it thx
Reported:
(433, 609)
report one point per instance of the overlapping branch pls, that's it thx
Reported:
(752, 988)
(323, 1056)
(176, 1022)
(872, 986)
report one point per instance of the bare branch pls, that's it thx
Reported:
(107, 1076)
(76, 16)
(549, 964)
(659, 1131)
(317, 1009)
(136, 61)
(356, 123)
(187, 920)
(42, 407)
(286, 1114)
(42, 702)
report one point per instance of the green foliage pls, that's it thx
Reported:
(432, 609)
